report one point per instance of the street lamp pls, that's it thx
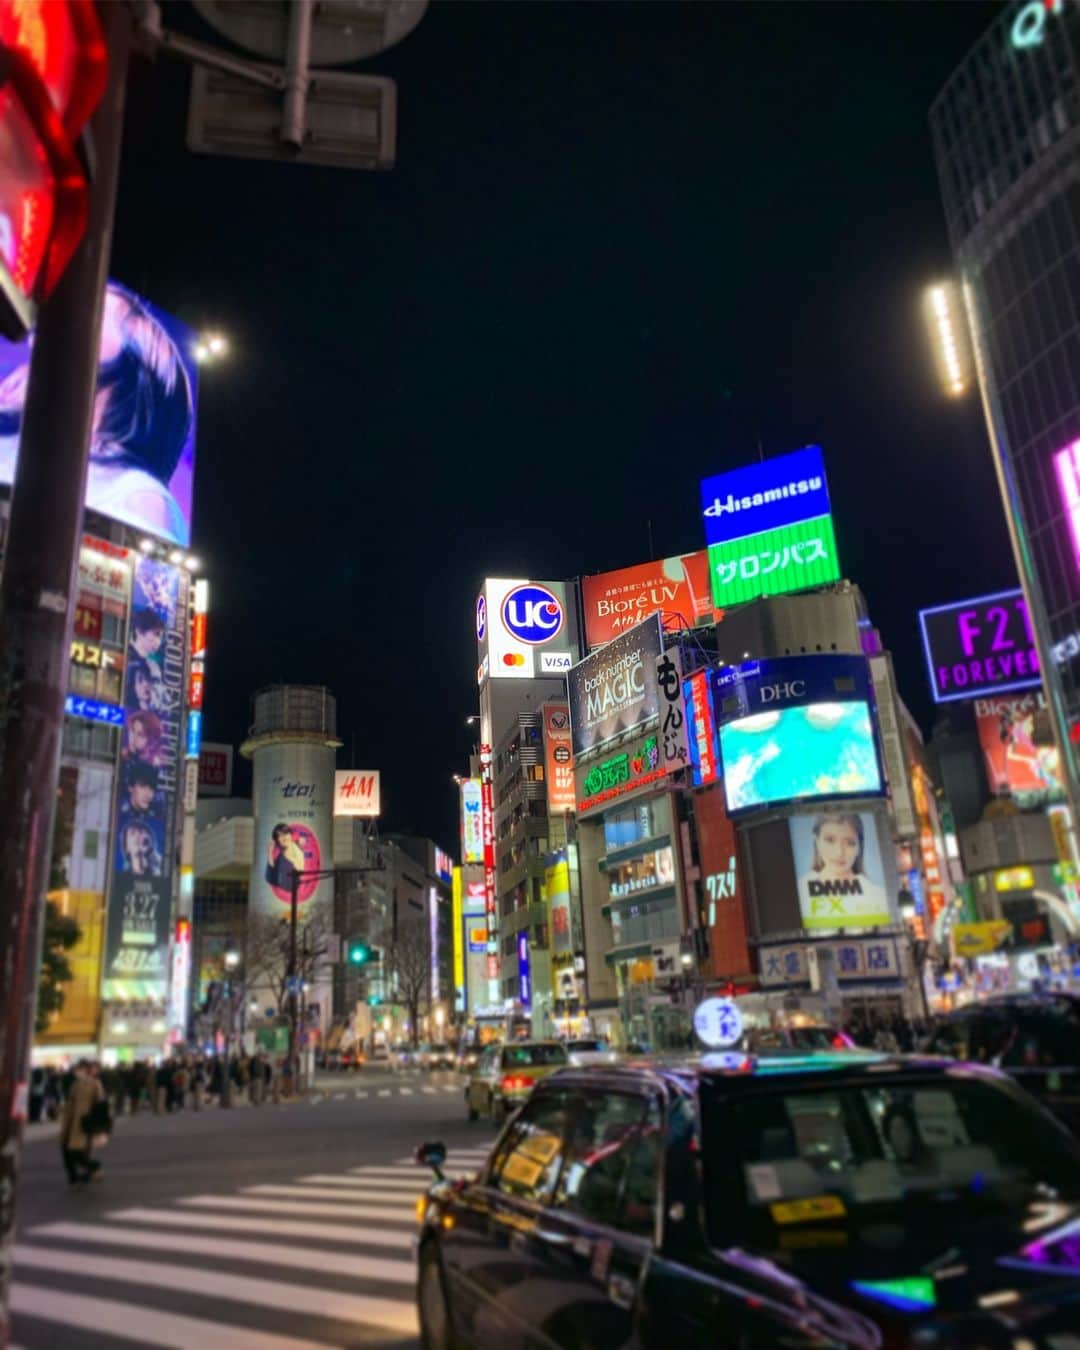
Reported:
(211, 347)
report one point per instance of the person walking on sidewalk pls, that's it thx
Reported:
(85, 1113)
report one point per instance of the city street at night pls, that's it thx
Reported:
(276, 1227)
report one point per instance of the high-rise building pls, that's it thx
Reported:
(1006, 132)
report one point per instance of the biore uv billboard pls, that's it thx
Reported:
(796, 728)
(142, 443)
(675, 588)
(768, 528)
(978, 647)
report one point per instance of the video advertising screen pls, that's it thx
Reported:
(817, 750)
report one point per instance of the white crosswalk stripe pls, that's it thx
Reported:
(290, 1265)
(429, 1090)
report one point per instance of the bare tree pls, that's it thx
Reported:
(407, 963)
(266, 958)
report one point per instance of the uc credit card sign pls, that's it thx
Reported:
(768, 528)
(524, 629)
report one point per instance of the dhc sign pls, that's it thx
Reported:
(532, 614)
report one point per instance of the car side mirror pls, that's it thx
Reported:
(432, 1155)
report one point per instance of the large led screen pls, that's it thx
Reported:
(142, 446)
(818, 750)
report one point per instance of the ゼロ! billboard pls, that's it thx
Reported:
(142, 442)
(293, 790)
(839, 872)
(768, 528)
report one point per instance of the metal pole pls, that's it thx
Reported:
(294, 900)
(37, 602)
(297, 62)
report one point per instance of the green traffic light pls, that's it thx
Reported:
(359, 953)
(374, 1000)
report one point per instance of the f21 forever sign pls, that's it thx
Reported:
(979, 647)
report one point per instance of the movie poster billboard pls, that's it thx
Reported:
(294, 793)
(675, 588)
(142, 442)
(144, 845)
(1022, 761)
(839, 870)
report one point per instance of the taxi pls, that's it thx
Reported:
(505, 1075)
(830, 1199)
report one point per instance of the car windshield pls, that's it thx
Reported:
(574, 1046)
(524, 1056)
(803, 1154)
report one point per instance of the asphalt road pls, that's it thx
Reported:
(269, 1228)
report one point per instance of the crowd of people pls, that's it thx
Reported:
(176, 1084)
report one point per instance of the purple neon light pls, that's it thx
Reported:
(1067, 464)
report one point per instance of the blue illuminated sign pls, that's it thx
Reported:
(524, 978)
(194, 735)
(789, 682)
(777, 492)
(532, 614)
(93, 711)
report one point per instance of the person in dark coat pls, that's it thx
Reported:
(75, 1141)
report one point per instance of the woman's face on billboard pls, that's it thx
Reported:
(838, 845)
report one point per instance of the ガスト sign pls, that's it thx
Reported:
(978, 647)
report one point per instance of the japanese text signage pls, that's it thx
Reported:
(675, 588)
(857, 959)
(704, 755)
(979, 647)
(768, 528)
(93, 711)
(472, 824)
(487, 816)
(558, 758)
(614, 690)
(602, 781)
(356, 792)
(215, 769)
(674, 731)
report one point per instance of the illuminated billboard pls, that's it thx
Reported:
(524, 630)
(1022, 761)
(558, 758)
(293, 789)
(472, 824)
(768, 528)
(675, 588)
(357, 792)
(1067, 467)
(704, 754)
(839, 871)
(145, 843)
(142, 447)
(614, 690)
(795, 728)
(981, 646)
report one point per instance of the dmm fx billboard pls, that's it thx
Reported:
(614, 690)
(675, 588)
(769, 528)
(978, 647)
(839, 871)
(294, 788)
(794, 728)
(145, 843)
(524, 629)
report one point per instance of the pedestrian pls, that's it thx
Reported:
(258, 1080)
(179, 1085)
(38, 1078)
(85, 1117)
(198, 1084)
(162, 1084)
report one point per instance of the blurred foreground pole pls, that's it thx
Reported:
(37, 600)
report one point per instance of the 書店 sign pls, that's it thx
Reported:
(857, 959)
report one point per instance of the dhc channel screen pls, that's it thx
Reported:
(790, 754)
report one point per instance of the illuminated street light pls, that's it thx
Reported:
(192, 564)
(211, 347)
(949, 338)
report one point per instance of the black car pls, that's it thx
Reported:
(842, 1200)
(1034, 1038)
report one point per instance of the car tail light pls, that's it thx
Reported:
(514, 1082)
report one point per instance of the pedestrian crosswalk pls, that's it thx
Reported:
(324, 1259)
(362, 1094)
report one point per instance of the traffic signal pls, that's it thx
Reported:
(53, 63)
(374, 1000)
(362, 954)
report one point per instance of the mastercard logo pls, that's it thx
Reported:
(513, 659)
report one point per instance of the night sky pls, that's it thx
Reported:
(622, 246)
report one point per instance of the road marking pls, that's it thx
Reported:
(400, 1171)
(317, 1209)
(262, 1253)
(233, 1223)
(451, 1087)
(384, 1092)
(340, 1096)
(358, 1095)
(319, 1302)
(380, 1184)
(332, 1193)
(132, 1322)
(405, 1092)
(429, 1090)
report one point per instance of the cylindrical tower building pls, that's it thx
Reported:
(292, 745)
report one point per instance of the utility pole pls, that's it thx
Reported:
(37, 602)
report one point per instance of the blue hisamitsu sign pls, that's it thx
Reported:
(93, 711)
(775, 493)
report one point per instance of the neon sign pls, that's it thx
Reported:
(1067, 466)
(1029, 26)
